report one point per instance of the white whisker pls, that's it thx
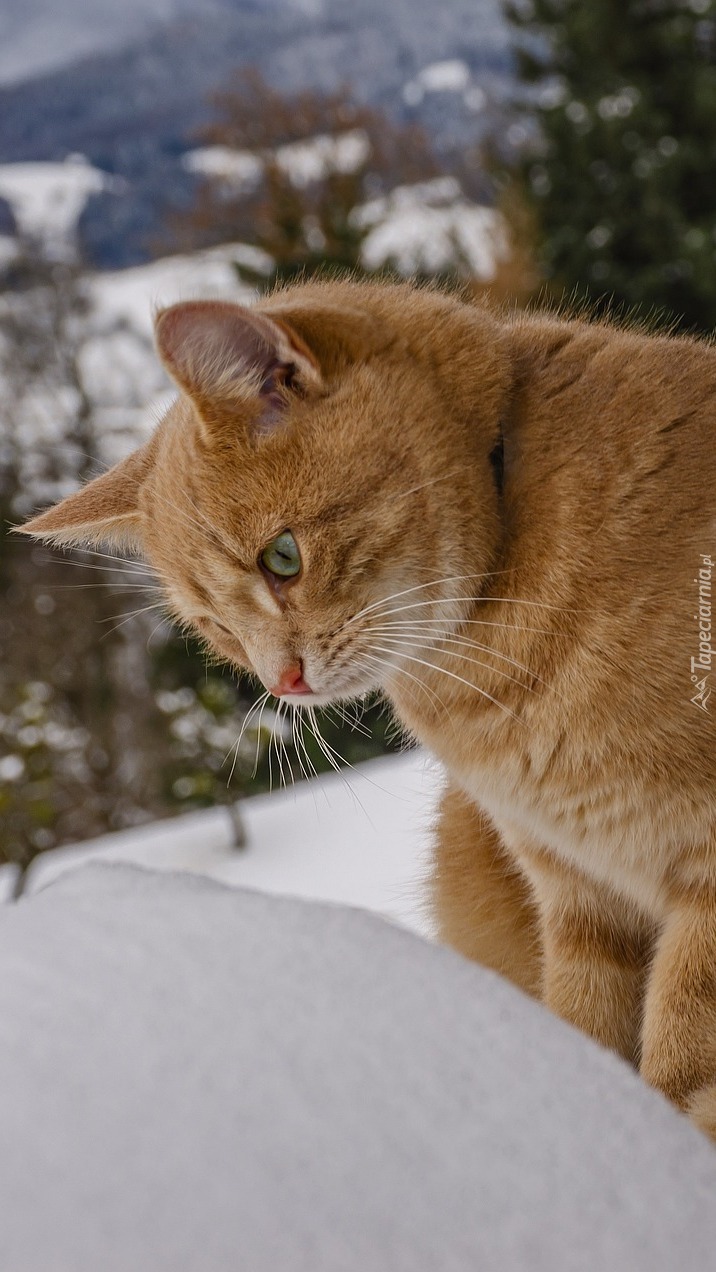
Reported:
(472, 622)
(444, 672)
(147, 609)
(245, 723)
(294, 737)
(407, 637)
(452, 600)
(383, 662)
(278, 741)
(477, 662)
(127, 589)
(423, 485)
(105, 569)
(418, 587)
(333, 757)
(154, 631)
(265, 699)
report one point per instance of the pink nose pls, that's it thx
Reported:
(291, 681)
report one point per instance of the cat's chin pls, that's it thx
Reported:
(352, 692)
(305, 700)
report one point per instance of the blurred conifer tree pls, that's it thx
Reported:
(620, 168)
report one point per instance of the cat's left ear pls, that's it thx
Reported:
(222, 354)
(106, 510)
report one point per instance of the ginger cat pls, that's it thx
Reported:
(509, 526)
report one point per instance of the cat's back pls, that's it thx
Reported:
(615, 429)
(616, 379)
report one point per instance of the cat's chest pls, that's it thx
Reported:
(543, 792)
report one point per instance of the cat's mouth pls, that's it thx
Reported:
(293, 686)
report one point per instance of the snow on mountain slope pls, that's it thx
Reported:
(47, 200)
(119, 367)
(431, 228)
(129, 85)
(302, 161)
(452, 76)
(40, 36)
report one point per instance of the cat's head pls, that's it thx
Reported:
(325, 463)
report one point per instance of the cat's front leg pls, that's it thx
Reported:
(596, 953)
(481, 902)
(679, 1031)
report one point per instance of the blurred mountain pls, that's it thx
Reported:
(37, 36)
(129, 88)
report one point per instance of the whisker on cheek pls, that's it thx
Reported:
(417, 642)
(461, 680)
(418, 587)
(454, 600)
(394, 669)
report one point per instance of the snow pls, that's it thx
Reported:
(619, 105)
(119, 367)
(475, 99)
(303, 162)
(439, 190)
(47, 200)
(431, 228)
(308, 161)
(239, 169)
(452, 76)
(8, 876)
(359, 838)
(132, 296)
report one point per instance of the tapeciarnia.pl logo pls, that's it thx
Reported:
(701, 667)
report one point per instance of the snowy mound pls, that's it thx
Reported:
(360, 838)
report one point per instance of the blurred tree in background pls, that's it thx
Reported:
(295, 170)
(86, 744)
(620, 102)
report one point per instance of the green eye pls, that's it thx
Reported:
(282, 556)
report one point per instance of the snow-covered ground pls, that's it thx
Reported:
(360, 838)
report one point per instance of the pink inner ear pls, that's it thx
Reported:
(206, 343)
(273, 402)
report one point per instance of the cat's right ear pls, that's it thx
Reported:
(106, 510)
(222, 354)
